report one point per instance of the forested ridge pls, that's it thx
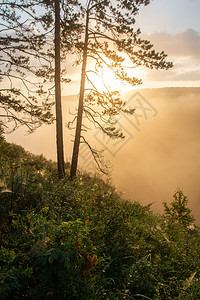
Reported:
(79, 239)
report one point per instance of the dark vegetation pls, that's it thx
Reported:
(78, 239)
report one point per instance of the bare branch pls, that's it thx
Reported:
(104, 166)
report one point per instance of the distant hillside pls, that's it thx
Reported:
(70, 98)
(152, 94)
(167, 92)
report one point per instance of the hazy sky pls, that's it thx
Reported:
(172, 26)
(173, 16)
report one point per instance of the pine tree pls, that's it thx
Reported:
(59, 126)
(31, 52)
(109, 37)
(26, 65)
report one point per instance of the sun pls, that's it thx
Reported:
(105, 80)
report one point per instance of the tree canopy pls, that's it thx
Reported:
(110, 40)
(25, 65)
(101, 34)
(27, 60)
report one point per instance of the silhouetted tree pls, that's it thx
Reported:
(108, 35)
(66, 36)
(30, 56)
(26, 65)
(59, 126)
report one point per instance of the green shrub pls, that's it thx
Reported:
(78, 239)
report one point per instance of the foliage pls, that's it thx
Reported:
(178, 210)
(25, 66)
(111, 42)
(46, 262)
(27, 60)
(78, 239)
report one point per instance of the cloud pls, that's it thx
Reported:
(183, 50)
(181, 75)
(185, 44)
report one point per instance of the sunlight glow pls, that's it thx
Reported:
(106, 79)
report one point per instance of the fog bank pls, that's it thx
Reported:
(160, 153)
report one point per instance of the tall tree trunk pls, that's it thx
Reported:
(74, 162)
(59, 128)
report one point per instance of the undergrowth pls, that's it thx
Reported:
(78, 239)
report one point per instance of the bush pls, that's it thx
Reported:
(78, 239)
(50, 259)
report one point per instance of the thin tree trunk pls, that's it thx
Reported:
(80, 107)
(59, 128)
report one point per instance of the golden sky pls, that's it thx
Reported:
(172, 26)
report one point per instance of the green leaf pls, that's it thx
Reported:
(50, 259)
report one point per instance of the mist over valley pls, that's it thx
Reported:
(159, 155)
